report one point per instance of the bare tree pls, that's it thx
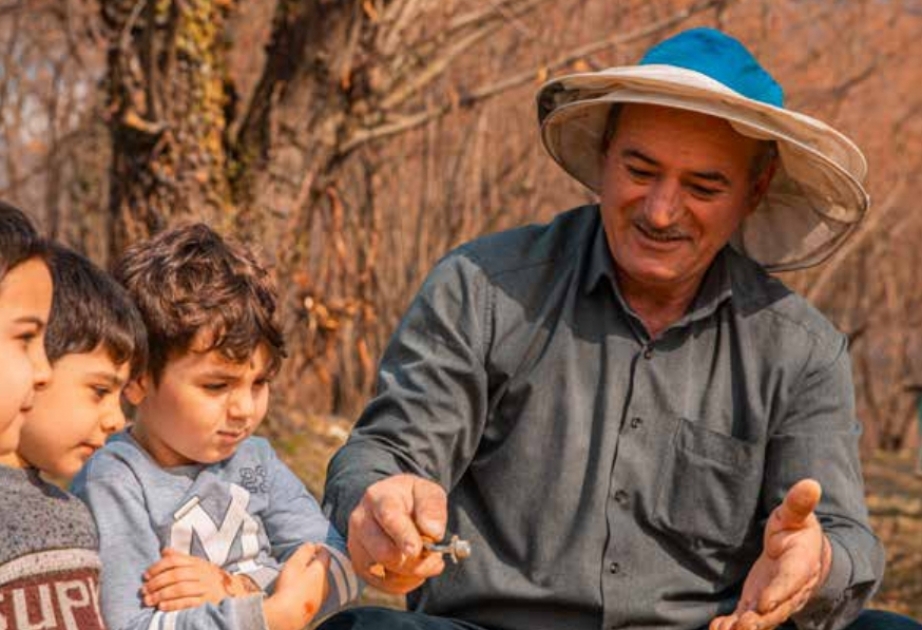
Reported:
(355, 141)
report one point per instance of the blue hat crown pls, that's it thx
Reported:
(720, 57)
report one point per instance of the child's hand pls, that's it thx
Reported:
(300, 590)
(179, 581)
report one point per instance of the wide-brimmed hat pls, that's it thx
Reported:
(816, 198)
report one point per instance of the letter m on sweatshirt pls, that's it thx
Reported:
(217, 538)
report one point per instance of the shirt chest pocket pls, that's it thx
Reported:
(709, 486)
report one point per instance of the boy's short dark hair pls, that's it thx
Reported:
(18, 239)
(90, 309)
(189, 279)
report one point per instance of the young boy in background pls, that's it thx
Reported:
(187, 494)
(25, 302)
(49, 560)
(95, 343)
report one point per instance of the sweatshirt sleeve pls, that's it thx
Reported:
(295, 518)
(128, 545)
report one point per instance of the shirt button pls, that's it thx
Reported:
(636, 422)
(614, 567)
(621, 497)
(648, 352)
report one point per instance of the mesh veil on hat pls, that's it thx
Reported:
(815, 200)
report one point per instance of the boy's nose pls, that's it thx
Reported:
(41, 368)
(114, 421)
(242, 406)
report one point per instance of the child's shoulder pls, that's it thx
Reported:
(254, 447)
(121, 457)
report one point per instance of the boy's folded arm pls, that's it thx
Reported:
(295, 518)
(128, 546)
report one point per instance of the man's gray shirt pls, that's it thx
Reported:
(604, 479)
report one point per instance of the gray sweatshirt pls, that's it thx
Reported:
(246, 514)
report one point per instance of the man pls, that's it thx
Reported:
(633, 422)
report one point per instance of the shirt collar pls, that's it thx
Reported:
(715, 289)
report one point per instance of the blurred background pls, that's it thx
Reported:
(353, 142)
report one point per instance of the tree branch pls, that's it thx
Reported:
(527, 76)
(412, 121)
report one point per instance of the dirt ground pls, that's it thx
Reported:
(894, 496)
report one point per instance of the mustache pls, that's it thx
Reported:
(672, 233)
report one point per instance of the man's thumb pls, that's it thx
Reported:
(800, 502)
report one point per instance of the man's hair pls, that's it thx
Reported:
(89, 309)
(18, 239)
(765, 155)
(188, 280)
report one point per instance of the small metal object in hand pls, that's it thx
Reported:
(456, 548)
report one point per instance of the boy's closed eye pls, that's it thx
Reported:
(100, 392)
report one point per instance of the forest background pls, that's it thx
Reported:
(354, 142)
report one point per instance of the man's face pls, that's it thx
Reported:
(203, 407)
(675, 187)
(71, 418)
(25, 300)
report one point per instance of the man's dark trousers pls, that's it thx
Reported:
(372, 618)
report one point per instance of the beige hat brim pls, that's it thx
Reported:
(815, 201)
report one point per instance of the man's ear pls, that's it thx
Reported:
(137, 388)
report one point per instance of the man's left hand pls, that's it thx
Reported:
(795, 561)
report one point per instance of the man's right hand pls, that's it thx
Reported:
(386, 530)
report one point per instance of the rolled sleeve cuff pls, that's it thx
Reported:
(819, 610)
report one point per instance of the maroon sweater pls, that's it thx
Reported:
(49, 560)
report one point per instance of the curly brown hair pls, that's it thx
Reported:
(188, 280)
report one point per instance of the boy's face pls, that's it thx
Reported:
(71, 419)
(203, 407)
(25, 301)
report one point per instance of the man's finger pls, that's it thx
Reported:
(393, 517)
(392, 582)
(799, 504)
(723, 623)
(376, 542)
(430, 508)
(785, 589)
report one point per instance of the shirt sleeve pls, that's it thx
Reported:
(128, 546)
(818, 438)
(294, 517)
(431, 405)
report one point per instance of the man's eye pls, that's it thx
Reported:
(703, 191)
(101, 392)
(215, 387)
(262, 382)
(639, 173)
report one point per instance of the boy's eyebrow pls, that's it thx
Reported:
(220, 373)
(112, 379)
(30, 319)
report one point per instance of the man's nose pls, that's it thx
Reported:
(663, 204)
